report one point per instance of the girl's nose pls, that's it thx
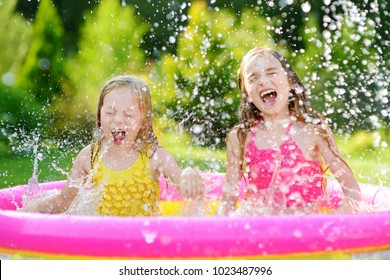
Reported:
(117, 118)
(262, 80)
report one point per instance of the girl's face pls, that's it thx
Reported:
(121, 117)
(267, 85)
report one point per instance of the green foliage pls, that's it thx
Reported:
(337, 49)
(208, 53)
(348, 80)
(362, 141)
(367, 153)
(20, 113)
(42, 77)
(20, 116)
(14, 36)
(43, 69)
(344, 69)
(162, 83)
(109, 45)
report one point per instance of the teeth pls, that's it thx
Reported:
(267, 92)
(117, 132)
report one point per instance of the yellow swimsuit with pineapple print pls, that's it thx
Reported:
(128, 192)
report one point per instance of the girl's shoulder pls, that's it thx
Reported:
(304, 132)
(314, 131)
(83, 158)
(233, 137)
(303, 127)
(233, 133)
(82, 163)
(236, 133)
(237, 141)
(86, 151)
(153, 150)
(158, 154)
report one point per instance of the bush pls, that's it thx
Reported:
(208, 54)
(20, 117)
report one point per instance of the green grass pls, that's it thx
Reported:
(187, 154)
(370, 164)
(368, 156)
(17, 170)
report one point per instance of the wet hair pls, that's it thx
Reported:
(141, 91)
(299, 104)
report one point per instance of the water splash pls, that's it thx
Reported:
(34, 190)
(150, 236)
(59, 169)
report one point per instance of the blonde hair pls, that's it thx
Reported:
(141, 91)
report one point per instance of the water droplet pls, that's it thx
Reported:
(150, 237)
(297, 234)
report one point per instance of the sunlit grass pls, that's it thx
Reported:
(17, 170)
(368, 156)
(188, 154)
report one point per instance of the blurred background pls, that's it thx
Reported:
(56, 55)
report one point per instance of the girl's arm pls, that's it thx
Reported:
(231, 189)
(188, 181)
(61, 202)
(336, 163)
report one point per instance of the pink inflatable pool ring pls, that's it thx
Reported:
(317, 236)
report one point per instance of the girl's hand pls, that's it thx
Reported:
(31, 206)
(191, 184)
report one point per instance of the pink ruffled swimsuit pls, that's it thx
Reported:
(297, 181)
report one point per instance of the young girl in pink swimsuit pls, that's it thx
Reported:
(280, 143)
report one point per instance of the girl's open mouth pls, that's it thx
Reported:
(118, 135)
(269, 96)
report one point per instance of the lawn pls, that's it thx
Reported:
(370, 164)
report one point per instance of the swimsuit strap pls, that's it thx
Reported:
(288, 127)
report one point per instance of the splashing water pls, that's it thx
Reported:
(150, 236)
(34, 190)
(59, 169)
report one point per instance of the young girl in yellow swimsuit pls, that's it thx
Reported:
(119, 172)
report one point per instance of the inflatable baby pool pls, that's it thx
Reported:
(315, 236)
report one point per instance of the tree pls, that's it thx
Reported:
(109, 45)
(208, 53)
(43, 69)
(345, 68)
(15, 34)
(19, 112)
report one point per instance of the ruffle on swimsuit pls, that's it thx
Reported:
(128, 192)
(295, 181)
